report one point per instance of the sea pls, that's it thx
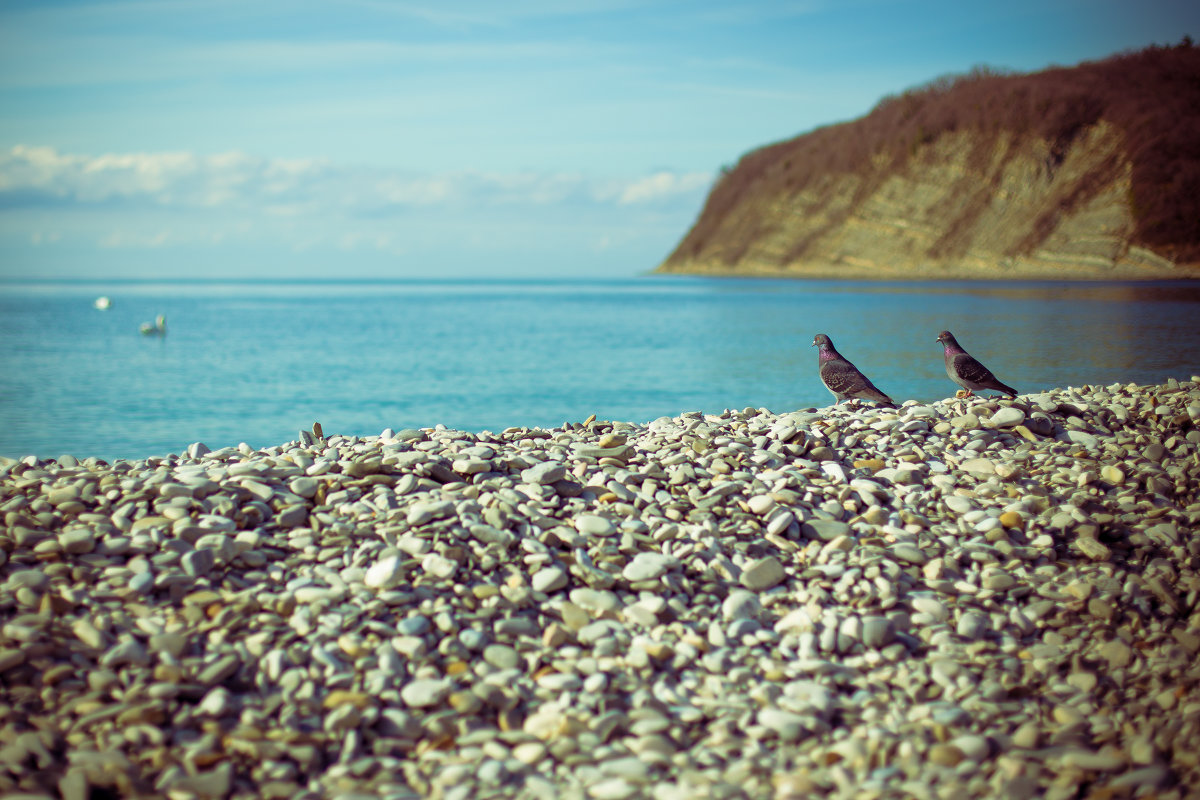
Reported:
(256, 362)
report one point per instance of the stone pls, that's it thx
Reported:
(762, 574)
(972, 625)
(550, 579)
(1116, 653)
(979, 466)
(544, 473)
(1005, 417)
(1012, 520)
(439, 566)
(501, 656)
(594, 525)
(1113, 474)
(909, 553)
(384, 573)
(1093, 549)
(424, 693)
(217, 703)
(825, 530)
(878, 632)
(77, 541)
(999, 581)
(422, 513)
(1085, 440)
(740, 604)
(945, 755)
(198, 563)
(965, 422)
(647, 567)
(788, 726)
(219, 670)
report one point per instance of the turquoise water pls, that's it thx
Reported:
(255, 362)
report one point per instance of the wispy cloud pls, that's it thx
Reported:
(33, 176)
(137, 207)
(664, 185)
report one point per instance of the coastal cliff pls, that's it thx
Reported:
(1088, 172)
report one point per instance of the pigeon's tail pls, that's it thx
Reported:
(879, 397)
(1008, 390)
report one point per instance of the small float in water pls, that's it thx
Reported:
(102, 303)
(156, 328)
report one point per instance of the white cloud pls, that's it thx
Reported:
(128, 214)
(33, 176)
(662, 185)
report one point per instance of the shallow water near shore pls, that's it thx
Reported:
(255, 362)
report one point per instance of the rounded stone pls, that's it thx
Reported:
(501, 656)
(423, 693)
(594, 525)
(647, 567)
(762, 574)
(878, 632)
(946, 755)
(384, 573)
(77, 541)
(550, 579)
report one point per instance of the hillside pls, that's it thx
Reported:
(1083, 172)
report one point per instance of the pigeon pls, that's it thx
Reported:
(842, 378)
(966, 371)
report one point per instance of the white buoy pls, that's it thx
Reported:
(102, 303)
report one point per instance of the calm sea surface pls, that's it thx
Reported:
(255, 362)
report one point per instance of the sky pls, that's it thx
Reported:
(526, 138)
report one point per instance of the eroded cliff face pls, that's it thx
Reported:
(968, 204)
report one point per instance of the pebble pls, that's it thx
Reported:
(971, 597)
(647, 567)
(594, 525)
(384, 573)
(909, 553)
(1005, 417)
(946, 755)
(825, 529)
(972, 625)
(1116, 653)
(763, 573)
(550, 579)
(424, 693)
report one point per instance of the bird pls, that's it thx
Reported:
(968, 373)
(156, 328)
(842, 378)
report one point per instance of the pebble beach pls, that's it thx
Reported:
(962, 599)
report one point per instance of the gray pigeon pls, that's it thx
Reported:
(966, 371)
(842, 378)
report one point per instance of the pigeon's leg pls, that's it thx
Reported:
(970, 393)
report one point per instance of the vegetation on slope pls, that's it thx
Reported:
(1152, 97)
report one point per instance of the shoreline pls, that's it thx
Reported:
(928, 273)
(978, 596)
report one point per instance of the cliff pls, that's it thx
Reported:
(1087, 172)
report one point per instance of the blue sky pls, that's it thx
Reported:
(163, 138)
